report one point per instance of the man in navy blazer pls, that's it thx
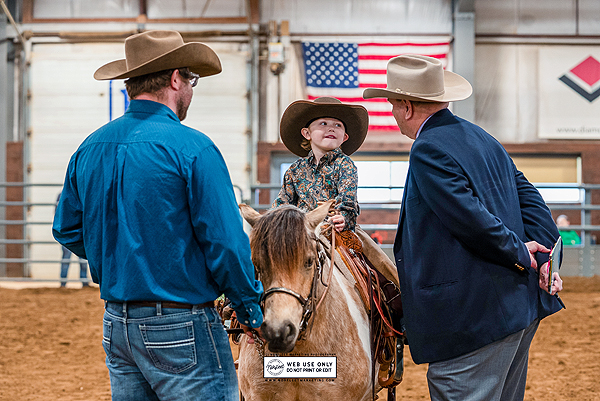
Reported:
(470, 228)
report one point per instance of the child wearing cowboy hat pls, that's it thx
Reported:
(323, 132)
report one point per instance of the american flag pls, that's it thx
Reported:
(344, 70)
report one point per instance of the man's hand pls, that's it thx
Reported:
(250, 333)
(557, 284)
(534, 247)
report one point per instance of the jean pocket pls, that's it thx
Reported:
(171, 347)
(215, 330)
(106, 337)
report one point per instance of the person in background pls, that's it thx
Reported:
(470, 227)
(66, 262)
(150, 204)
(569, 237)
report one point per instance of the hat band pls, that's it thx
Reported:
(400, 91)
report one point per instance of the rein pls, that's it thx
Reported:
(332, 250)
(309, 307)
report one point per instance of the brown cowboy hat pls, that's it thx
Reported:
(154, 51)
(301, 112)
(421, 78)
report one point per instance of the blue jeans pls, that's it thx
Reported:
(155, 353)
(64, 267)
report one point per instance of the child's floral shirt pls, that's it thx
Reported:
(335, 177)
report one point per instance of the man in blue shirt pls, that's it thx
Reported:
(150, 204)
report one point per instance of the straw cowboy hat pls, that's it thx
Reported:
(302, 112)
(421, 78)
(154, 51)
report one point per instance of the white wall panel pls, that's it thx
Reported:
(85, 8)
(360, 16)
(67, 104)
(525, 17)
(196, 8)
(506, 93)
(589, 17)
(496, 109)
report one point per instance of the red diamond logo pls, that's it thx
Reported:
(588, 71)
(584, 79)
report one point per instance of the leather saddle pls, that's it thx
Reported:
(381, 298)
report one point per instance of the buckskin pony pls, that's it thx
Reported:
(295, 272)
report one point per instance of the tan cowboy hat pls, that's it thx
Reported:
(421, 78)
(301, 112)
(154, 51)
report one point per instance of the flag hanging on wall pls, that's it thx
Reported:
(344, 70)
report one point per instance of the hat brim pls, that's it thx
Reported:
(301, 112)
(455, 88)
(198, 57)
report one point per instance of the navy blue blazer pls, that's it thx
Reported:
(460, 246)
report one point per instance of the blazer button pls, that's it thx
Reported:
(399, 260)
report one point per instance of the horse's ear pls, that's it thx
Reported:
(249, 214)
(316, 216)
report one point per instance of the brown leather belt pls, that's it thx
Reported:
(171, 304)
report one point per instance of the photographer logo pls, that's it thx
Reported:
(274, 367)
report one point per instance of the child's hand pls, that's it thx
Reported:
(338, 221)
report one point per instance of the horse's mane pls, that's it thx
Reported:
(279, 239)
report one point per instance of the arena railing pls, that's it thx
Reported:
(579, 260)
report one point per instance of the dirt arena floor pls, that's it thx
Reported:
(50, 347)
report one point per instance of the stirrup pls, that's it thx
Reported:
(399, 360)
(392, 368)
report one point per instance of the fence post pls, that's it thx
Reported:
(14, 173)
(4, 124)
(586, 253)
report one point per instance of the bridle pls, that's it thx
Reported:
(309, 304)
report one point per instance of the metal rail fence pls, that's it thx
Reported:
(29, 236)
(579, 260)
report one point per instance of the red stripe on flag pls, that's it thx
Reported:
(365, 71)
(381, 113)
(351, 99)
(404, 44)
(387, 57)
(383, 128)
(372, 86)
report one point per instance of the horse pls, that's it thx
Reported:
(290, 262)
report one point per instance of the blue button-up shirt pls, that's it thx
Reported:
(150, 204)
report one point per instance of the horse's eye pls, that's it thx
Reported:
(310, 261)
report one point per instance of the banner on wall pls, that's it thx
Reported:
(569, 92)
(343, 69)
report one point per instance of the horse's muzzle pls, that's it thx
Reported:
(280, 337)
